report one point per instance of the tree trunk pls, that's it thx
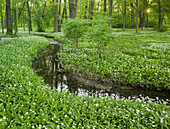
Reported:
(142, 21)
(29, 17)
(2, 21)
(13, 18)
(72, 8)
(59, 13)
(137, 13)
(160, 15)
(16, 19)
(19, 14)
(110, 12)
(124, 16)
(76, 4)
(8, 17)
(91, 9)
(147, 22)
(65, 9)
(132, 14)
(105, 2)
(24, 21)
(56, 17)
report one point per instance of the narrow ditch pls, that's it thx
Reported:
(47, 64)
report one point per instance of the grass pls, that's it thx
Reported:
(26, 102)
(133, 59)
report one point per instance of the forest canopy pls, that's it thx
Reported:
(38, 15)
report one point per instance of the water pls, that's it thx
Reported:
(47, 64)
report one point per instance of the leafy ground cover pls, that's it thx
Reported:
(26, 102)
(141, 59)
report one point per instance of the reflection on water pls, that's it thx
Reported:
(47, 64)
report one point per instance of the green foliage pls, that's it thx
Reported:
(26, 102)
(131, 59)
(60, 37)
(100, 34)
(74, 29)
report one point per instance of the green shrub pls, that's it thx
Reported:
(100, 34)
(74, 29)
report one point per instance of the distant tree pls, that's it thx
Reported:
(8, 17)
(110, 11)
(56, 17)
(124, 16)
(137, 13)
(29, 17)
(105, 4)
(160, 15)
(91, 9)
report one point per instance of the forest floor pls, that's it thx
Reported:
(132, 59)
(27, 102)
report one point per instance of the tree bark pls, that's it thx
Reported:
(147, 22)
(8, 17)
(124, 16)
(65, 9)
(76, 4)
(59, 13)
(29, 17)
(142, 21)
(2, 23)
(56, 17)
(132, 14)
(16, 32)
(110, 12)
(160, 15)
(105, 6)
(91, 9)
(19, 14)
(137, 13)
(72, 8)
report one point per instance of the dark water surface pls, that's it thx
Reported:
(47, 64)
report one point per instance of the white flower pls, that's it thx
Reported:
(4, 117)
(0, 119)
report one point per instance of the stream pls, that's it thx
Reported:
(46, 65)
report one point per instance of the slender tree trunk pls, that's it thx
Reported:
(2, 21)
(147, 22)
(19, 14)
(76, 4)
(124, 16)
(118, 14)
(24, 21)
(29, 17)
(132, 14)
(13, 18)
(72, 8)
(105, 2)
(142, 21)
(137, 13)
(91, 9)
(160, 15)
(140, 17)
(65, 9)
(8, 17)
(16, 19)
(62, 18)
(59, 13)
(110, 12)
(56, 17)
